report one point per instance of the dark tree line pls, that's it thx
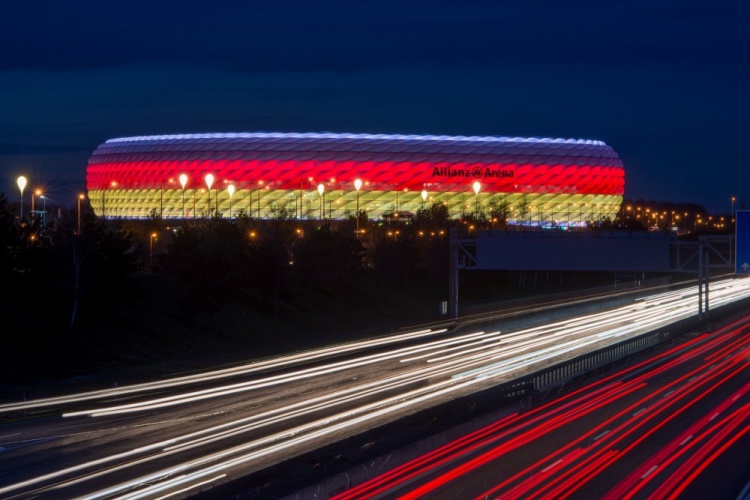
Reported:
(63, 284)
(56, 279)
(279, 264)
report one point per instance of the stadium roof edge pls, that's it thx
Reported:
(333, 135)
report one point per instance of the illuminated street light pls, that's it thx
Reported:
(44, 209)
(183, 182)
(424, 197)
(104, 196)
(34, 194)
(260, 187)
(357, 186)
(151, 251)
(733, 199)
(21, 185)
(321, 190)
(230, 190)
(80, 197)
(477, 187)
(209, 181)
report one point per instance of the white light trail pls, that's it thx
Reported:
(408, 378)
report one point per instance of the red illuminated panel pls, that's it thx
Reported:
(385, 176)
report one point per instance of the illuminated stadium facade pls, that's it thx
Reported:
(314, 175)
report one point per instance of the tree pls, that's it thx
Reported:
(499, 211)
(523, 208)
(328, 261)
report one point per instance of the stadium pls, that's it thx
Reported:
(332, 175)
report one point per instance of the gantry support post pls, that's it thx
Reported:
(453, 280)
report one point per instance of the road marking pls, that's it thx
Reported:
(686, 440)
(601, 435)
(648, 473)
(550, 466)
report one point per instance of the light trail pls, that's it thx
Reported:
(502, 431)
(246, 369)
(367, 388)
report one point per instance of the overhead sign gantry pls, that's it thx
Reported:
(742, 242)
(617, 251)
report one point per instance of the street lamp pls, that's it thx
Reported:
(209, 181)
(34, 194)
(260, 187)
(183, 182)
(21, 185)
(80, 197)
(230, 190)
(477, 187)
(424, 198)
(733, 198)
(357, 186)
(151, 249)
(321, 190)
(161, 200)
(104, 196)
(44, 209)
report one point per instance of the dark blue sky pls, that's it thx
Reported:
(666, 83)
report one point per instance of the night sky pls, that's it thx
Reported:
(666, 83)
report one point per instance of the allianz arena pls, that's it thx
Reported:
(329, 175)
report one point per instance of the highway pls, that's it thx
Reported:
(665, 428)
(177, 437)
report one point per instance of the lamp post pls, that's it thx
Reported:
(230, 190)
(477, 187)
(260, 186)
(114, 185)
(151, 249)
(104, 195)
(34, 194)
(424, 198)
(44, 208)
(161, 200)
(209, 181)
(321, 190)
(733, 198)
(357, 186)
(183, 182)
(21, 185)
(80, 197)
